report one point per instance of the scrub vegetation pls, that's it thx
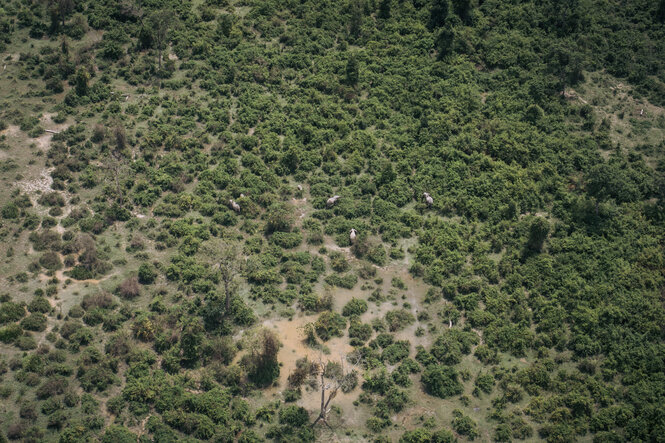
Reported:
(354, 220)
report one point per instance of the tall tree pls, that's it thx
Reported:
(225, 258)
(352, 71)
(261, 360)
(356, 22)
(660, 11)
(59, 10)
(444, 42)
(384, 9)
(161, 22)
(438, 13)
(463, 9)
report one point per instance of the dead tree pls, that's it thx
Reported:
(332, 378)
(323, 414)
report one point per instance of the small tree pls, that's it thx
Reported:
(261, 360)
(82, 78)
(438, 13)
(59, 10)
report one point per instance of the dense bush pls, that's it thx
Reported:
(399, 319)
(329, 324)
(146, 274)
(355, 306)
(441, 381)
(51, 261)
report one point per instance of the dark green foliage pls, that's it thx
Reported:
(359, 332)
(438, 13)
(441, 381)
(146, 274)
(10, 333)
(537, 233)
(347, 281)
(352, 71)
(39, 304)
(10, 211)
(51, 261)
(485, 382)
(293, 415)
(452, 345)
(396, 352)
(262, 365)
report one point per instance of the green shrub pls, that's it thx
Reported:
(396, 352)
(51, 261)
(329, 324)
(347, 281)
(146, 274)
(26, 343)
(34, 322)
(118, 434)
(359, 332)
(11, 312)
(338, 262)
(355, 306)
(399, 319)
(441, 381)
(10, 333)
(10, 211)
(39, 304)
(423, 435)
(464, 425)
(485, 382)
(293, 415)
(286, 240)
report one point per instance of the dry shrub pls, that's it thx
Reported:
(129, 288)
(102, 300)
